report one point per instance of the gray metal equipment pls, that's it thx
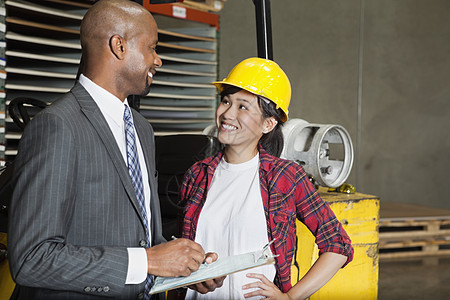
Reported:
(324, 151)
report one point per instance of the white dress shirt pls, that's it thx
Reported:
(113, 109)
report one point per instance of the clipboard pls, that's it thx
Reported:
(221, 267)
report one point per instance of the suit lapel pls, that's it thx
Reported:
(99, 124)
(148, 149)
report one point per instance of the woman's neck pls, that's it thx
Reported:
(236, 155)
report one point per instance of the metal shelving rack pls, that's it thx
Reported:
(2, 82)
(43, 53)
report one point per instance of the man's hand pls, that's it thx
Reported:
(179, 257)
(208, 285)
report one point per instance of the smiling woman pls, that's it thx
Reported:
(240, 124)
(249, 187)
(264, 81)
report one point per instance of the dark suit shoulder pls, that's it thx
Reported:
(141, 121)
(71, 99)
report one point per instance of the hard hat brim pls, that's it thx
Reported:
(219, 85)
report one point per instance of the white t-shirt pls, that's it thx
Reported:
(233, 222)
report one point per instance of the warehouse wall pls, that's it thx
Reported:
(379, 68)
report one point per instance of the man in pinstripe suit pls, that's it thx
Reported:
(75, 229)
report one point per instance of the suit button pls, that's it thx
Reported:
(87, 289)
(142, 243)
(106, 289)
(140, 296)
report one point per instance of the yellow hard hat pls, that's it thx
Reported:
(262, 77)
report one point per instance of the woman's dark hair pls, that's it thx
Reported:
(273, 141)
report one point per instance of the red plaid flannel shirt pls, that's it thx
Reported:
(287, 194)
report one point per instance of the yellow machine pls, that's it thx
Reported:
(6, 282)
(359, 214)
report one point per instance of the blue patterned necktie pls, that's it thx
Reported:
(134, 169)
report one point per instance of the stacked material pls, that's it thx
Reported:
(44, 53)
(411, 230)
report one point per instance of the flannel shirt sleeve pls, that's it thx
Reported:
(190, 179)
(186, 185)
(184, 191)
(317, 215)
(190, 198)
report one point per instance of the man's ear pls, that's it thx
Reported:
(118, 46)
(269, 124)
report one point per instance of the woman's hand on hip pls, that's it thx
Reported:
(265, 288)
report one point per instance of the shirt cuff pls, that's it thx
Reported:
(137, 266)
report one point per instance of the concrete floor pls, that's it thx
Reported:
(425, 278)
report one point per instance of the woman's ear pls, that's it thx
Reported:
(117, 46)
(269, 124)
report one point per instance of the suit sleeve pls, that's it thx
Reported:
(42, 210)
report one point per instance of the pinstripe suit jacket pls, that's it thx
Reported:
(74, 211)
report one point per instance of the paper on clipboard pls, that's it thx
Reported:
(221, 267)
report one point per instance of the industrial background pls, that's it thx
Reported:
(380, 69)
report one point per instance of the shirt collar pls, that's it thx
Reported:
(265, 160)
(108, 103)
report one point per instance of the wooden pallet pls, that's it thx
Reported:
(409, 230)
